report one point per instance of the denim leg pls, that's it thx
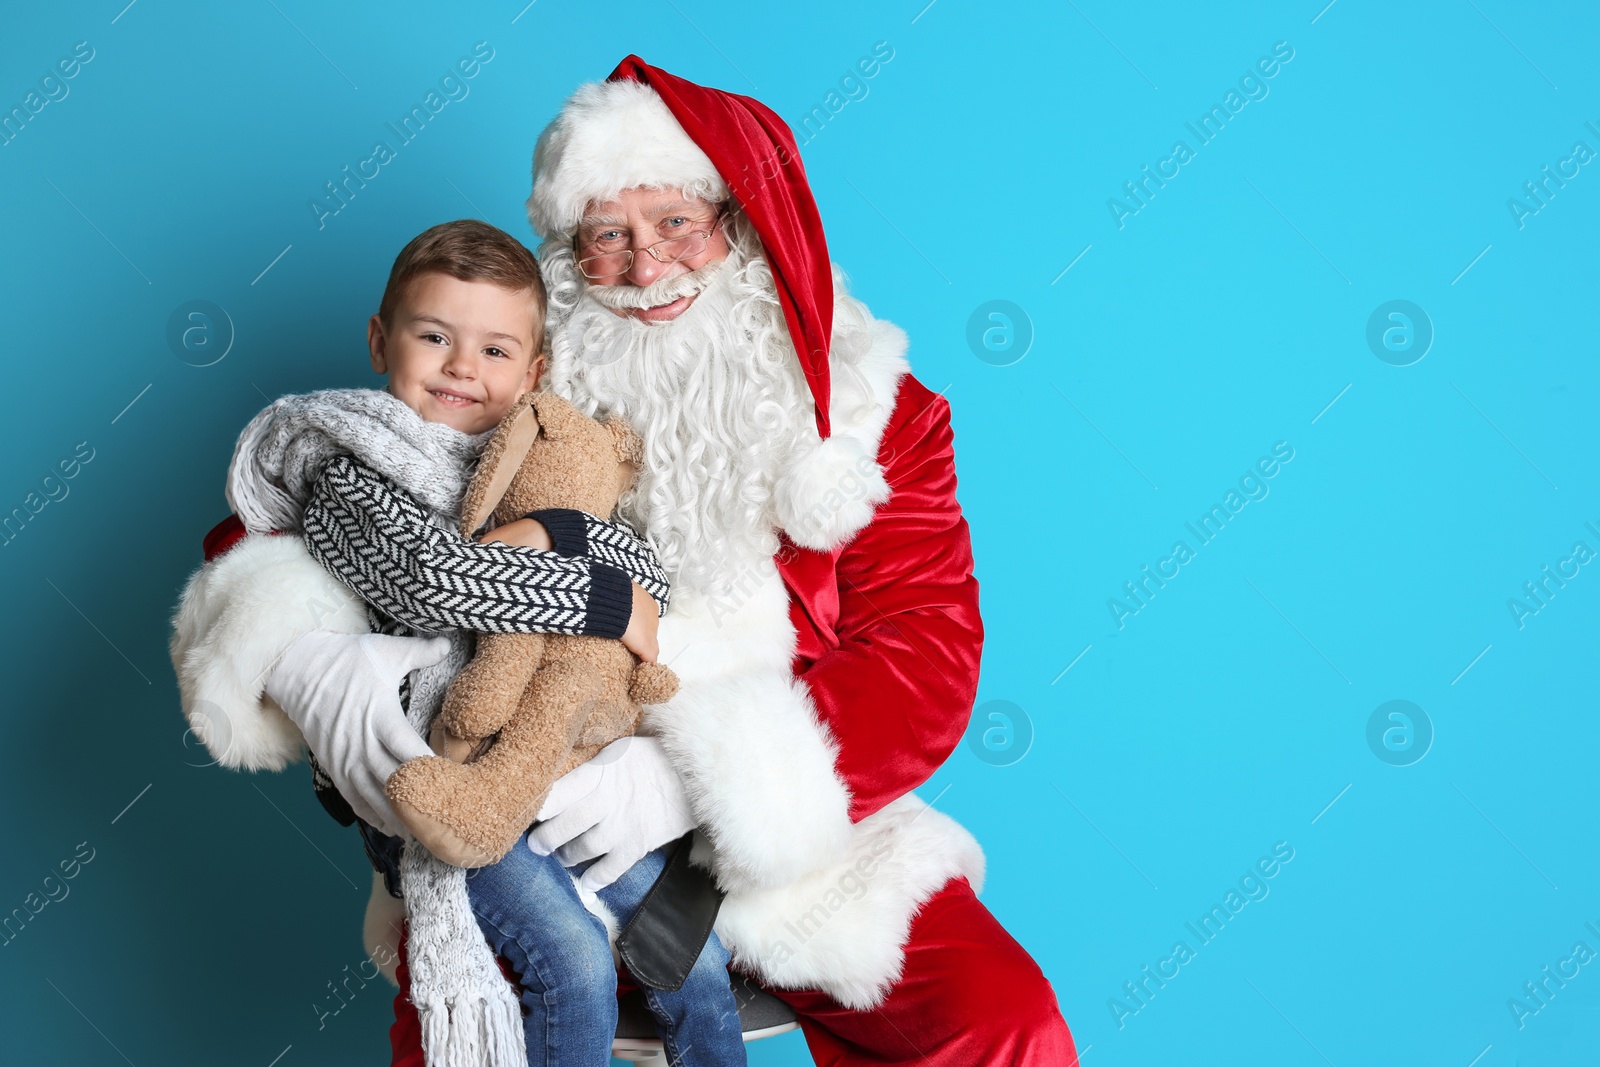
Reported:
(699, 1023)
(529, 910)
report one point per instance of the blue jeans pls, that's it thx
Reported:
(529, 910)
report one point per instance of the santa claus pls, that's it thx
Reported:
(799, 488)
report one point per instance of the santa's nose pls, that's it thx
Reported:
(646, 269)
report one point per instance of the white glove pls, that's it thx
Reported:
(343, 691)
(622, 804)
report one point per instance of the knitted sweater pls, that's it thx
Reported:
(375, 538)
(418, 575)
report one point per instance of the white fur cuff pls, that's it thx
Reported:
(237, 615)
(758, 769)
(843, 928)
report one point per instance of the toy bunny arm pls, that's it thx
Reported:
(377, 540)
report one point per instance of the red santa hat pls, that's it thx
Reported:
(645, 127)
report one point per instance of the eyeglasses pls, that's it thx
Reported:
(607, 265)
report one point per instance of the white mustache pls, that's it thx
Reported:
(657, 293)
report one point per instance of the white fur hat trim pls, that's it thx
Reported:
(612, 136)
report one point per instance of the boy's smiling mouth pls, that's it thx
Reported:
(452, 399)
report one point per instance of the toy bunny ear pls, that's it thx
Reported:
(557, 415)
(502, 458)
(630, 446)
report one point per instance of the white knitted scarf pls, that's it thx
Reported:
(469, 1012)
(282, 452)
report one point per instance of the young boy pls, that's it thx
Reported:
(374, 482)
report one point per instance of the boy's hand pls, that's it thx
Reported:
(640, 636)
(526, 533)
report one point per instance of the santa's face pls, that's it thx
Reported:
(685, 233)
(716, 393)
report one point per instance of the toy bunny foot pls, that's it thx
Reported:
(456, 812)
(652, 684)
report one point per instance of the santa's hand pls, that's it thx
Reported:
(621, 805)
(343, 691)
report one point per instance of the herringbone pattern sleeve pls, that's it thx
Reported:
(577, 533)
(615, 544)
(376, 539)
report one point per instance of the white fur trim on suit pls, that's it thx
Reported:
(744, 737)
(828, 494)
(868, 359)
(753, 757)
(842, 928)
(612, 136)
(237, 615)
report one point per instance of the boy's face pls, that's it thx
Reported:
(457, 352)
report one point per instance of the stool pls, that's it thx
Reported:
(760, 1015)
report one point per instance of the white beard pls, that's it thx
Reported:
(717, 395)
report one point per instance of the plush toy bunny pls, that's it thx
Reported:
(555, 700)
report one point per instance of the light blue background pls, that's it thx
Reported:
(1225, 316)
